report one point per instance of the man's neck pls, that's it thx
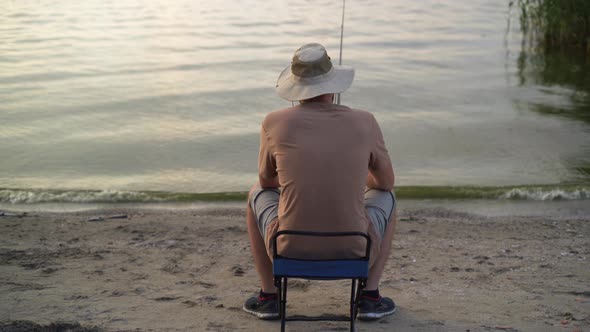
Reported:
(327, 99)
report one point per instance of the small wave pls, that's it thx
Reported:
(536, 193)
(16, 196)
(32, 196)
(541, 194)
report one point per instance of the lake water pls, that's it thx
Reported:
(133, 95)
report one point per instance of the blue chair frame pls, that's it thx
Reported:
(333, 269)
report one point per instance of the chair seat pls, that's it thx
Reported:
(320, 270)
(355, 269)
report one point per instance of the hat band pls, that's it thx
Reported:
(304, 68)
(313, 80)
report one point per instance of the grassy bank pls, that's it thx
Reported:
(446, 192)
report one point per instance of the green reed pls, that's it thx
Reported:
(555, 51)
(551, 25)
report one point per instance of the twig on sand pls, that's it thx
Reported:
(101, 218)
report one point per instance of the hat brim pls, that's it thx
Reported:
(293, 88)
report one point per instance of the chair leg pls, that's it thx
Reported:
(283, 303)
(361, 286)
(352, 304)
(279, 285)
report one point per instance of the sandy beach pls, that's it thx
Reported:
(191, 270)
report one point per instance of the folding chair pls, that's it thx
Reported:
(333, 269)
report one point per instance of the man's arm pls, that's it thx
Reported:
(269, 183)
(381, 174)
(267, 169)
(384, 180)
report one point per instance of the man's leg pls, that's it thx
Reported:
(261, 260)
(376, 270)
(380, 207)
(262, 210)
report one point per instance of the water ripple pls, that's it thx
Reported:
(104, 89)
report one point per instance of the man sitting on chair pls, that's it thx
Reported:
(325, 168)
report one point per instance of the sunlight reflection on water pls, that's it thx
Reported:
(157, 95)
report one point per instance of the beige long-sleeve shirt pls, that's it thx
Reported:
(321, 154)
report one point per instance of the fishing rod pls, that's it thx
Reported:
(341, 39)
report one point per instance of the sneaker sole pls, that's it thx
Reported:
(262, 315)
(375, 315)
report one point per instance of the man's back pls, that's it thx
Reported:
(321, 156)
(321, 153)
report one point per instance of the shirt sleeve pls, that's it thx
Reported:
(267, 168)
(379, 158)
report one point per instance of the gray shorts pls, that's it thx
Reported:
(379, 205)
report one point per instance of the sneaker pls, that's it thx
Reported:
(263, 308)
(371, 309)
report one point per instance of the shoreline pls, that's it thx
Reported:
(191, 270)
(557, 209)
(533, 192)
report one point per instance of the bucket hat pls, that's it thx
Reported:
(312, 74)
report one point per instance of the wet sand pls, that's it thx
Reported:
(191, 270)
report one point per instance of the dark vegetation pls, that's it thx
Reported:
(555, 51)
(552, 25)
(555, 55)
